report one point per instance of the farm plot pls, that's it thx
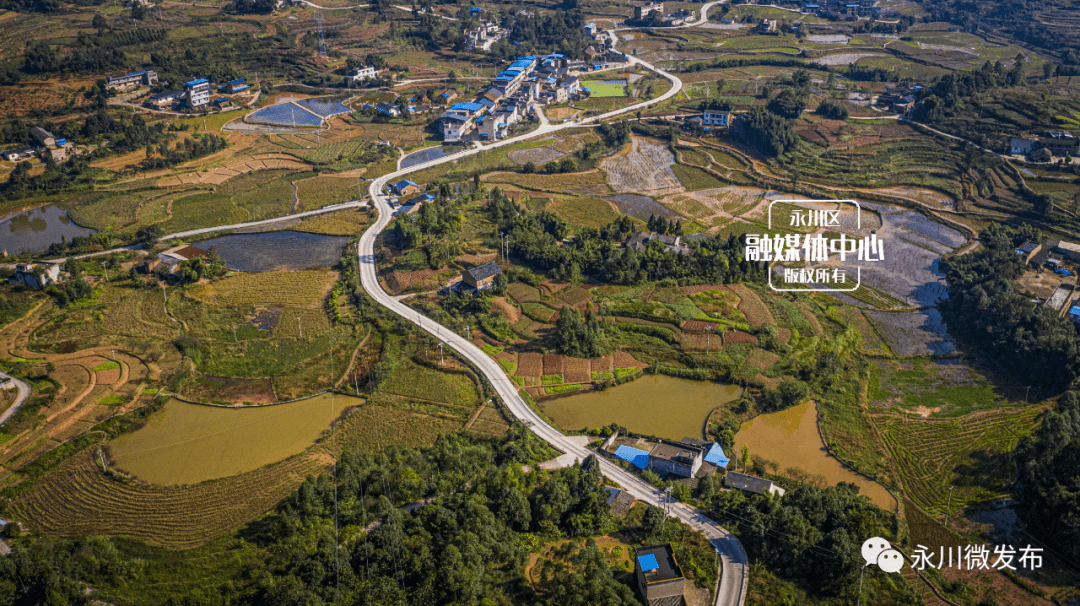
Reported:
(523, 293)
(972, 453)
(912, 247)
(758, 361)
(643, 207)
(318, 192)
(294, 288)
(915, 333)
(536, 155)
(455, 390)
(530, 364)
(577, 370)
(647, 167)
(752, 306)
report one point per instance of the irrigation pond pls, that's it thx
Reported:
(658, 405)
(789, 438)
(34, 230)
(190, 443)
(424, 155)
(277, 251)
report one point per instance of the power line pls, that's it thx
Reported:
(333, 450)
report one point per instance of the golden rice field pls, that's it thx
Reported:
(190, 443)
(297, 289)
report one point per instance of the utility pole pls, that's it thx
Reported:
(948, 507)
(1027, 393)
(468, 333)
(502, 245)
(107, 279)
(440, 354)
(234, 334)
(708, 337)
(300, 327)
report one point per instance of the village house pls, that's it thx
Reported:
(18, 154)
(176, 255)
(767, 26)
(131, 80)
(481, 277)
(164, 98)
(405, 187)
(659, 577)
(365, 72)
(1068, 250)
(43, 136)
(35, 275)
(715, 117)
(1060, 143)
(1028, 250)
(388, 109)
(751, 485)
(234, 86)
(1021, 147)
(640, 241)
(676, 458)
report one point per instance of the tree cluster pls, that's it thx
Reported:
(985, 311)
(580, 336)
(770, 133)
(537, 239)
(1048, 493)
(811, 536)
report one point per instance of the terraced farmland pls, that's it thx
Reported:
(972, 453)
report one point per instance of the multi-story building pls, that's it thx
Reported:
(365, 72)
(642, 12)
(131, 79)
(197, 92)
(659, 577)
(715, 117)
(675, 458)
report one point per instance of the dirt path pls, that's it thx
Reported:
(475, 415)
(352, 359)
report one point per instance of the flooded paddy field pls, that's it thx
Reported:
(789, 438)
(658, 405)
(191, 443)
(277, 251)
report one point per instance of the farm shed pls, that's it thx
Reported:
(714, 453)
(635, 456)
(752, 484)
(173, 257)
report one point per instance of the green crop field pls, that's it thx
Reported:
(972, 453)
(606, 88)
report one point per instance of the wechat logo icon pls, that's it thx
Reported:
(877, 550)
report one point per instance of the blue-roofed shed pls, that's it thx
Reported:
(635, 456)
(475, 10)
(648, 562)
(716, 456)
(468, 106)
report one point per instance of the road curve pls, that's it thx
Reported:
(731, 590)
(24, 392)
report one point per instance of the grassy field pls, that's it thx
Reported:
(605, 88)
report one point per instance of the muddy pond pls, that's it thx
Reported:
(790, 439)
(277, 250)
(424, 155)
(659, 405)
(189, 443)
(35, 230)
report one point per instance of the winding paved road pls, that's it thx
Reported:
(24, 392)
(731, 590)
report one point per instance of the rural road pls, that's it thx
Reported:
(731, 589)
(24, 392)
(207, 230)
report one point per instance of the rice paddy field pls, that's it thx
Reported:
(190, 443)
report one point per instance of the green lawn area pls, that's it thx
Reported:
(606, 88)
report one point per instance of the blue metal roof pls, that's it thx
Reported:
(236, 82)
(199, 81)
(475, 9)
(716, 456)
(648, 562)
(400, 185)
(467, 106)
(639, 458)
(527, 58)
